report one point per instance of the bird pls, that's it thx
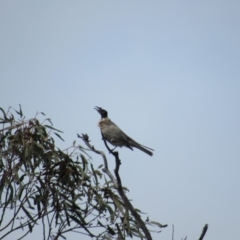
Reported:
(114, 135)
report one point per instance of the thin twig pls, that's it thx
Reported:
(86, 140)
(205, 228)
(172, 232)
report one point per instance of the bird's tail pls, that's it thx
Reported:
(145, 149)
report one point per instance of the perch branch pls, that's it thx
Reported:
(123, 195)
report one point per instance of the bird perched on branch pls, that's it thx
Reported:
(114, 135)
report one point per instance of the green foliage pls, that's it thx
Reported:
(60, 190)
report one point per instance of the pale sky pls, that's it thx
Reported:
(168, 72)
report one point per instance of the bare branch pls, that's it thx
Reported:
(205, 228)
(172, 232)
(123, 195)
(86, 140)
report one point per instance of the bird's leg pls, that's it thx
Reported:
(113, 149)
(105, 142)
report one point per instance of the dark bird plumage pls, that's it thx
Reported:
(114, 135)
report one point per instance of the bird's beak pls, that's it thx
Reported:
(97, 108)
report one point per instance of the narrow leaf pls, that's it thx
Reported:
(27, 213)
(156, 223)
(47, 126)
(20, 110)
(59, 136)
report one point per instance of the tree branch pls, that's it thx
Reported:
(205, 228)
(123, 195)
(117, 182)
(86, 140)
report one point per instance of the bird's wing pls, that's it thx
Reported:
(117, 132)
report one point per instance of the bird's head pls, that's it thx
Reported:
(102, 112)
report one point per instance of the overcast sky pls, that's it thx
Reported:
(168, 72)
